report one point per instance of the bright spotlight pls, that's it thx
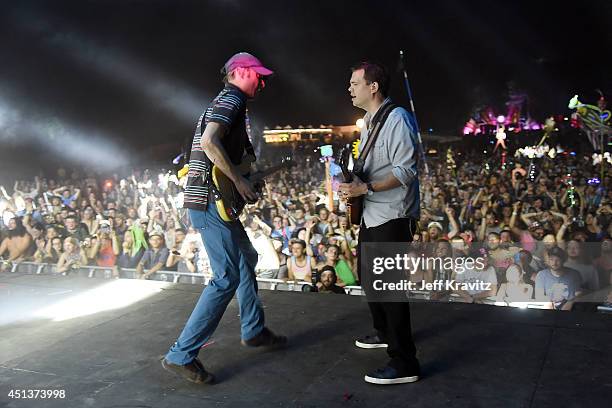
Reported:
(114, 295)
(360, 122)
(92, 148)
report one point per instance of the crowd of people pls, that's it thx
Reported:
(546, 235)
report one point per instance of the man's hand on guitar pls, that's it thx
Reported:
(246, 189)
(355, 188)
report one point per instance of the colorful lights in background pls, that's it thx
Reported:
(451, 165)
(485, 120)
(571, 193)
(593, 120)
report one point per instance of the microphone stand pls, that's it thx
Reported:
(421, 148)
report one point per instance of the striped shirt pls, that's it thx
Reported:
(229, 110)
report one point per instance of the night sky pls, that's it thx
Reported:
(140, 72)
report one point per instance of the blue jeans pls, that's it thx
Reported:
(232, 259)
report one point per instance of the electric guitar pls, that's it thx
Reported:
(354, 205)
(231, 203)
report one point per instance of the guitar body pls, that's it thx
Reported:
(354, 205)
(354, 210)
(231, 203)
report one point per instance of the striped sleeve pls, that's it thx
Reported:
(226, 108)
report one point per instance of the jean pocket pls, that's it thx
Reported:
(199, 218)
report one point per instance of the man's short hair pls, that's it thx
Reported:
(227, 76)
(332, 246)
(297, 231)
(375, 72)
(156, 234)
(558, 252)
(327, 268)
(298, 241)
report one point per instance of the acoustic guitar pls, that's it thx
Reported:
(354, 205)
(231, 203)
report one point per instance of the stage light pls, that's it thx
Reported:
(360, 122)
(114, 295)
(79, 145)
(174, 95)
(501, 119)
(9, 117)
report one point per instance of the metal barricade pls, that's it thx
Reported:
(100, 272)
(420, 295)
(268, 283)
(354, 290)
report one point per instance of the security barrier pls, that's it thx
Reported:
(102, 272)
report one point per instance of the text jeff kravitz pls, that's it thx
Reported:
(436, 285)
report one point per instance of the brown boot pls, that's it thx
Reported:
(193, 371)
(266, 339)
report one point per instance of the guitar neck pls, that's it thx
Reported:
(260, 175)
(347, 175)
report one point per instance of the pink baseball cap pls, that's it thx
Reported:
(245, 60)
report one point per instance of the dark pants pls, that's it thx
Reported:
(392, 319)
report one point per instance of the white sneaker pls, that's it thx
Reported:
(370, 342)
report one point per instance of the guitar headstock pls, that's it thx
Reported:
(344, 162)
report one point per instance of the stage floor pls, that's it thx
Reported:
(81, 335)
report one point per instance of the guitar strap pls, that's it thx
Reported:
(249, 146)
(378, 121)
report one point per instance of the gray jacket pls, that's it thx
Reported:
(395, 150)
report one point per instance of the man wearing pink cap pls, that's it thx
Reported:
(221, 140)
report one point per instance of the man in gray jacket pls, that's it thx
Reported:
(390, 186)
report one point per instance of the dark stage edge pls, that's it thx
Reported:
(471, 355)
